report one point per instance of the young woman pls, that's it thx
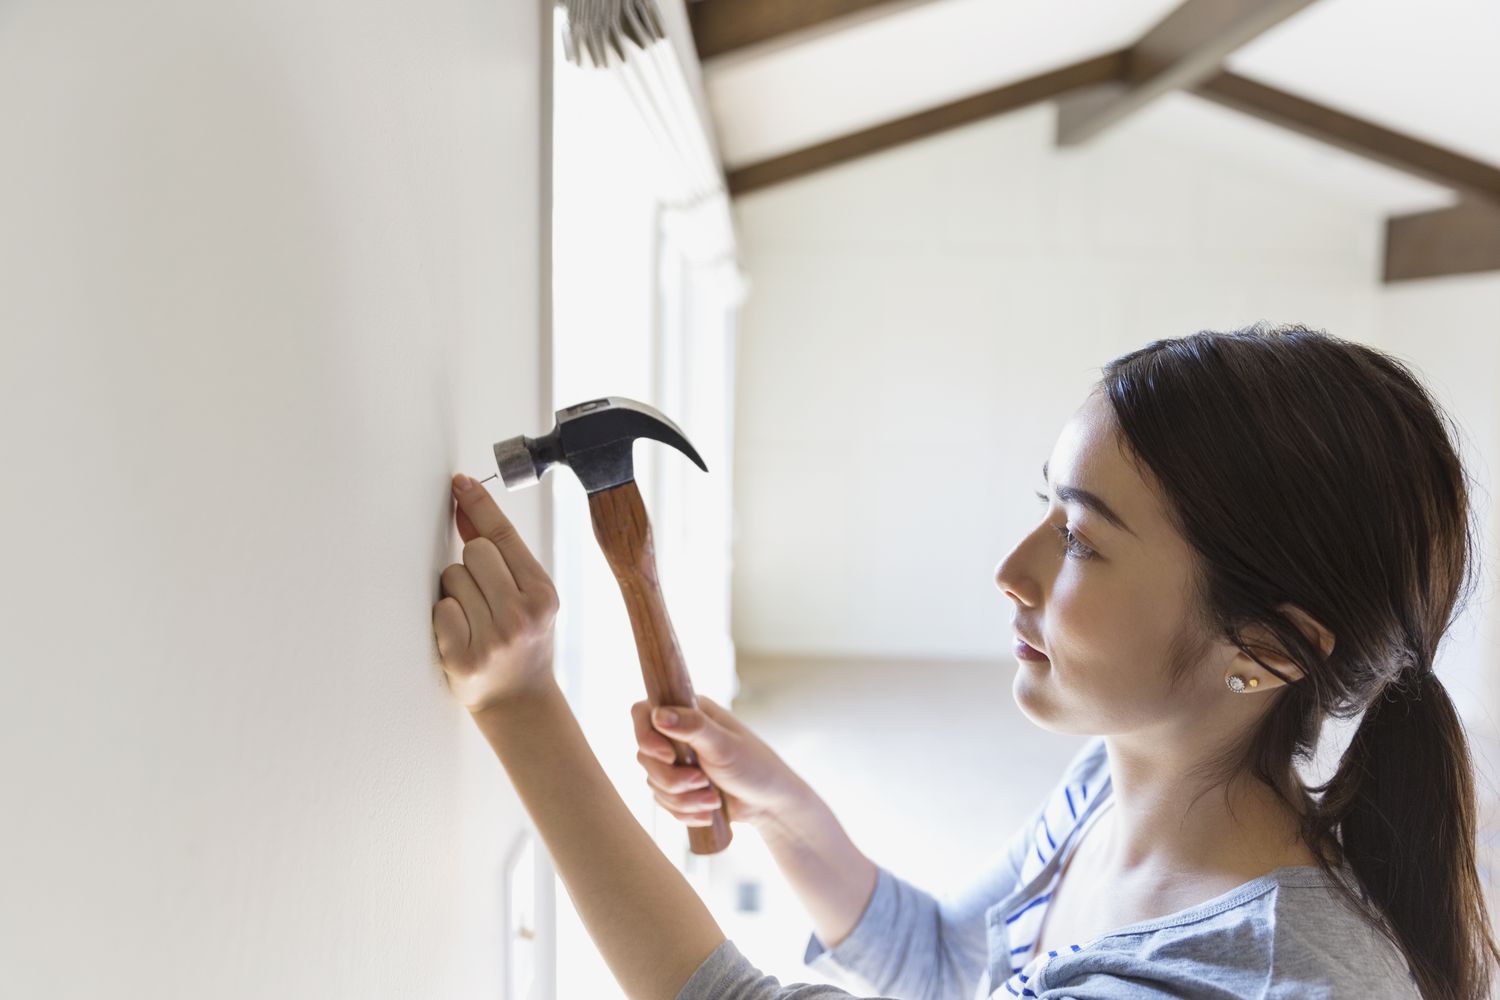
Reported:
(1245, 533)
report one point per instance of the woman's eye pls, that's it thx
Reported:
(1070, 541)
(1075, 548)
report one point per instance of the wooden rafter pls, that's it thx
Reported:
(721, 26)
(1186, 47)
(924, 123)
(1464, 239)
(1355, 135)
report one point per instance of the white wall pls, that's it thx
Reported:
(269, 274)
(922, 322)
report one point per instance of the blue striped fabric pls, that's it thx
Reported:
(1064, 821)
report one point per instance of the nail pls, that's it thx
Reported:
(462, 482)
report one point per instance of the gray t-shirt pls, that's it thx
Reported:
(1284, 934)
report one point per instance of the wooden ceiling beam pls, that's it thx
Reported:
(1464, 239)
(1188, 46)
(1355, 135)
(925, 123)
(721, 26)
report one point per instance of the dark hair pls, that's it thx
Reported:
(1309, 470)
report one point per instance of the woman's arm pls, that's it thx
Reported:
(494, 630)
(833, 878)
(646, 920)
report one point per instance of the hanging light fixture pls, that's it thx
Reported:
(597, 26)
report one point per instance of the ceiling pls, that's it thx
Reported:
(1426, 69)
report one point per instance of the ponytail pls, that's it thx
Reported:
(1403, 797)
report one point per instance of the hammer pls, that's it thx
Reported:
(595, 439)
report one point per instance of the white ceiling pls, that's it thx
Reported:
(1428, 69)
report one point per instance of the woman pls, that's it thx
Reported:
(1244, 534)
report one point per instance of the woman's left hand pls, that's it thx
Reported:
(494, 626)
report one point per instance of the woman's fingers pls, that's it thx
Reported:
(488, 569)
(671, 778)
(466, 529)
(692, 819)
(459, 585)
(697, 800)
(682, 790)
(490, 521)
(451, 626)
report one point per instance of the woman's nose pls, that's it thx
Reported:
(1015, 577)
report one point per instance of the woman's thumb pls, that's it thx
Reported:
(682, 721)
(690, 725)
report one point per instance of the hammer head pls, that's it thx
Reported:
(595, 440)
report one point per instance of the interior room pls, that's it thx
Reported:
(275, 272)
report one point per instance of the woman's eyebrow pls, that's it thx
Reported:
(1082, 496)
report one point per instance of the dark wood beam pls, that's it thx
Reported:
(721, 26)
(925, 123)
(1442, 166)
(1464, 239)
(1186, 47)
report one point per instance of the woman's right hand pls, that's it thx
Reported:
(755, 782)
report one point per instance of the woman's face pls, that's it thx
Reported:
(1111, 608)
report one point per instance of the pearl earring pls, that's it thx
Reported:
(1236, 683)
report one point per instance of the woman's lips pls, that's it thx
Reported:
(1026, 652)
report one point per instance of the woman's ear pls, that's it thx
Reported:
(1266, 647)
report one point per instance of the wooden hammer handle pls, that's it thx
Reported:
(624, 534)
